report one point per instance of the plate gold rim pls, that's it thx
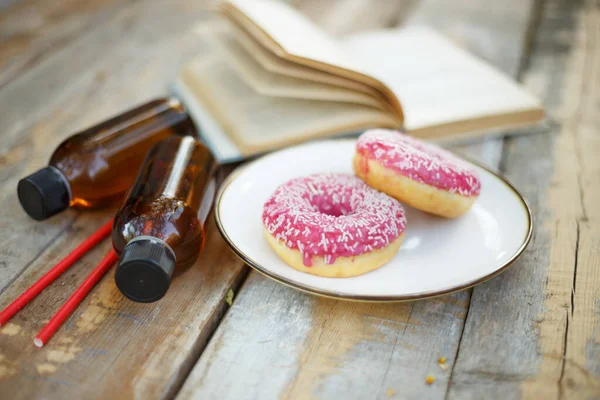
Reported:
(367, 298)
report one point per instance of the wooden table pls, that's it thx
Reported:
(532, 332)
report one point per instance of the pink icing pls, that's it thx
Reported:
(419, 161)
(332, 215)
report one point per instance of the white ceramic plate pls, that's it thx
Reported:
(438, 255)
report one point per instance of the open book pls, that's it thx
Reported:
(268, 77)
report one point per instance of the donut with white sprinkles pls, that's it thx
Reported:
(416, 173)
(333, 225)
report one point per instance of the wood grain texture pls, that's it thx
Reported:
(531, 332)
(524, 336)
(580, 376)
(110, 347)
(75, 88)
(33, 30)
(279, 343)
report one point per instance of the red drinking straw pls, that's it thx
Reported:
(51, 327)
(55, 272)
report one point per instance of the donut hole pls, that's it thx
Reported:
(328, 205)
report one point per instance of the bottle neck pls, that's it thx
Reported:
(153, 239)
(64, 179)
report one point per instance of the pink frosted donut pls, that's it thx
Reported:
(419, 174)
(333, 225)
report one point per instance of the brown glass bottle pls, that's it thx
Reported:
(161, 224)
(95, 167)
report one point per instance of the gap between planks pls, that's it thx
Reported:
(320, 334)
(67, 90)
(554, 353)
(32, 30)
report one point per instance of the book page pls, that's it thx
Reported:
(209, 130)
(273, 63)
(294, 32)
(292, 36)
(440, 84)
(269, 83)
(258, 123)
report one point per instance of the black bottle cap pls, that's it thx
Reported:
(44, 193)
(145, 269)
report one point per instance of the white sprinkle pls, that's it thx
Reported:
(362, 210)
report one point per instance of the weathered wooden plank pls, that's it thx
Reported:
(522, 337)
(110, 347)
(6, 3)
(279, 343)
(581, 369)
(31, 30)
(581, 366)
(75, 88)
